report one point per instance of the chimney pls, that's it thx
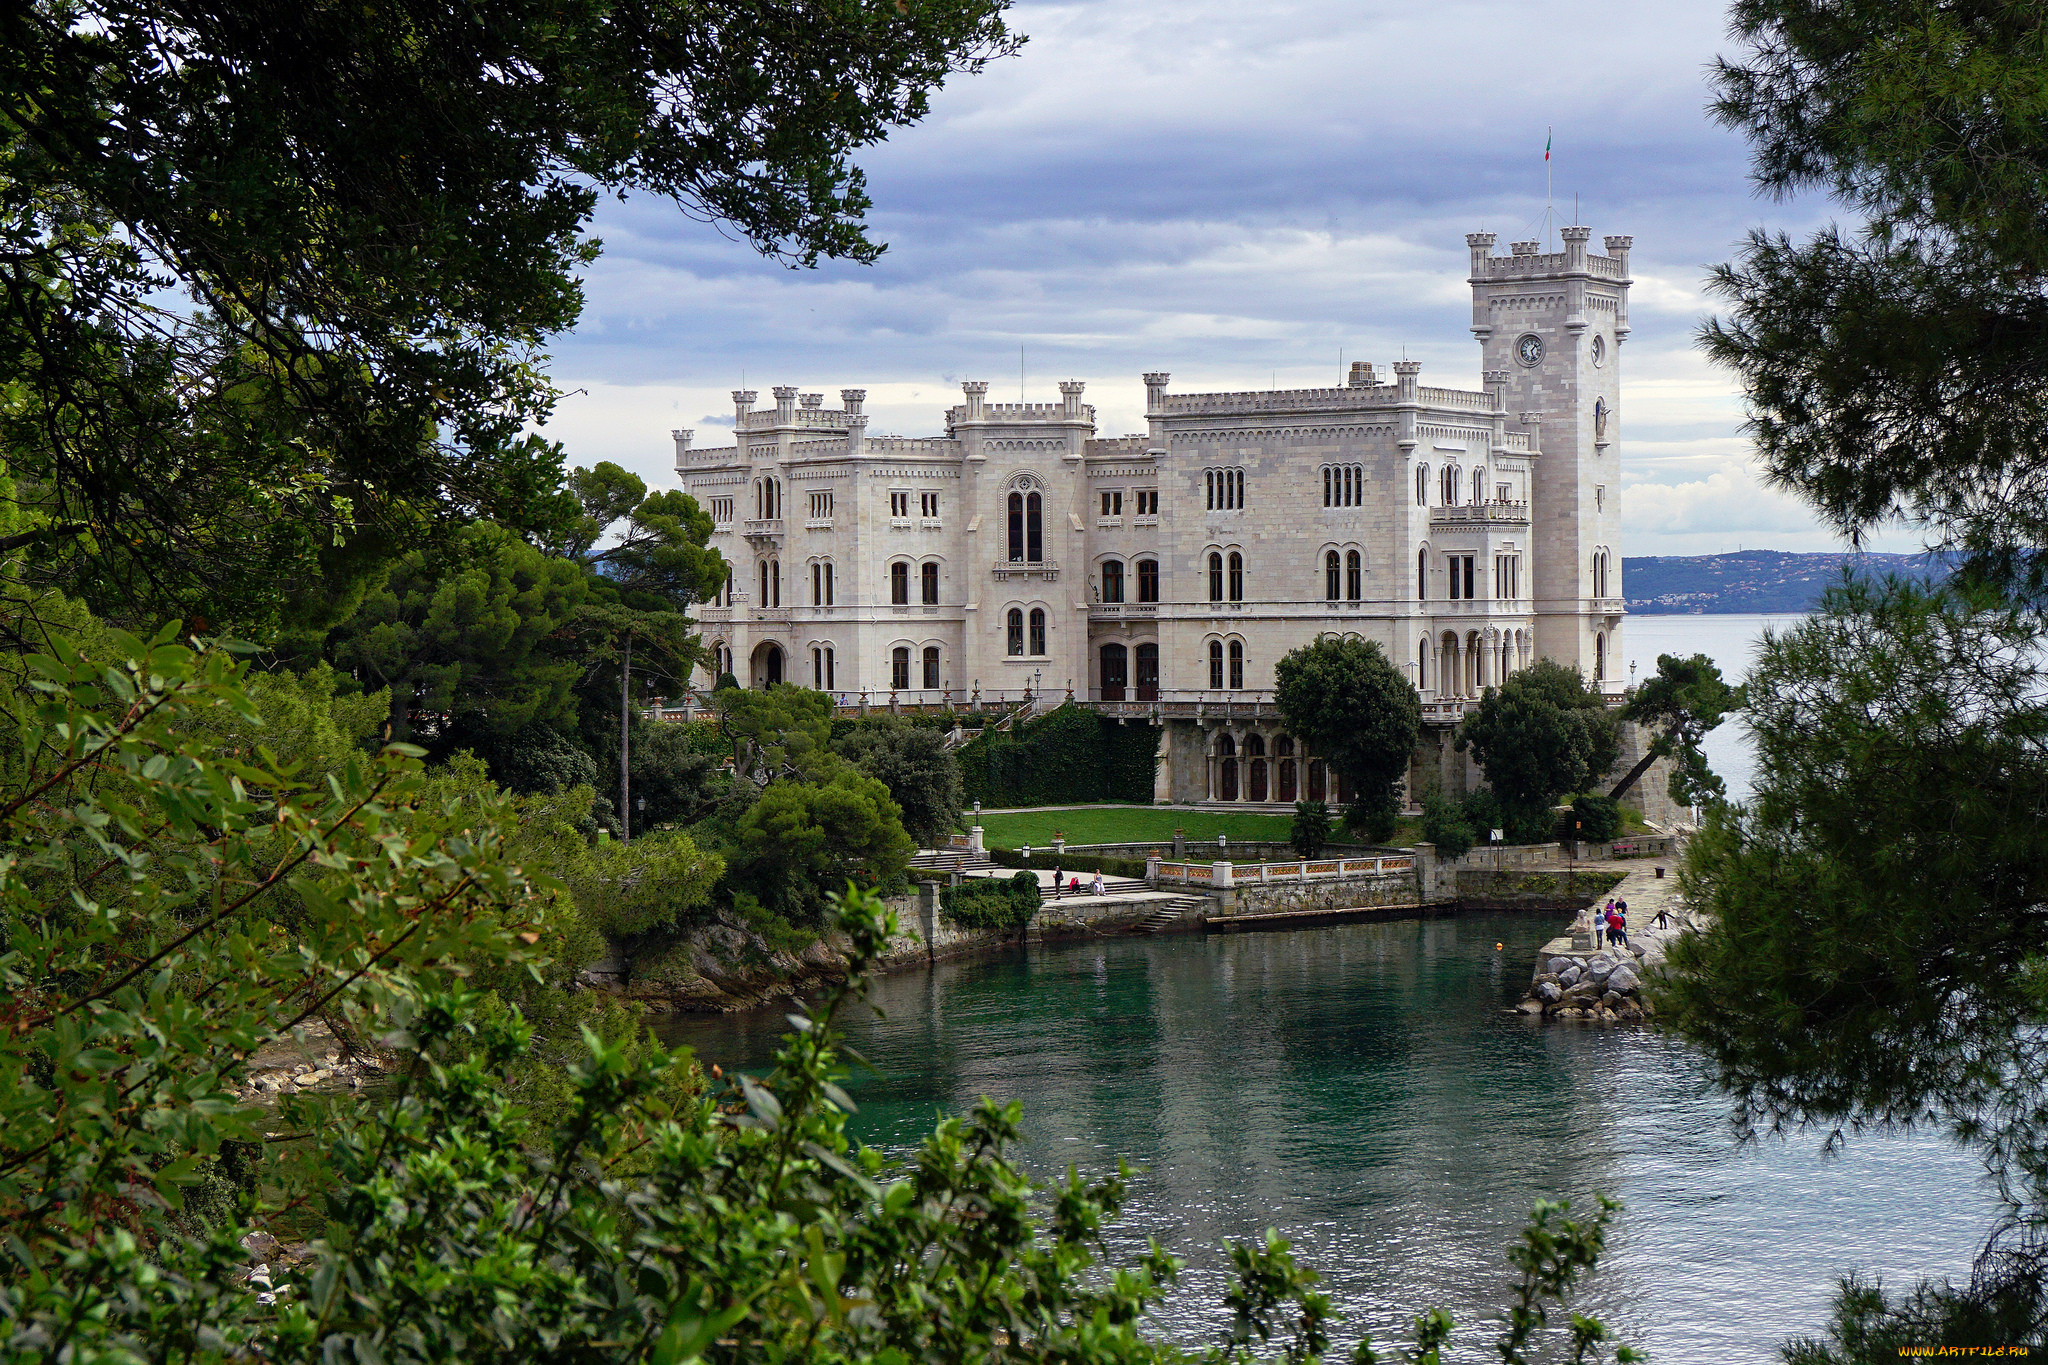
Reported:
(813, 400)
(1524, 248)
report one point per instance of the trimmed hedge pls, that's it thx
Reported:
(1002, 903)
(1070, 755)
(1069, 862)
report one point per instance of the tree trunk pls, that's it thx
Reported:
(625, 740)
(1642, 766)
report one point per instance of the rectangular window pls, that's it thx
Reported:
(899, 504)
(1464, 581)
(1500, 492)
(899, 669)
(928, 505)
(1148, 502)
(1148, 580)
(1113, 504)
(1037, 631)
(1599, 497)
(931, 668)
(821, 507)
(928, 584)
(899, 584)
(721, 510)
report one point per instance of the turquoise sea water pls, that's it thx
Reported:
(1360, 1089)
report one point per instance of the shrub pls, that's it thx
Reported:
(1311, 828)
(1069, 755)
(1003, 904)
(1443, 824)
(1047, 860)
(1598, 817)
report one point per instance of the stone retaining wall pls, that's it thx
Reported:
(1337, 893)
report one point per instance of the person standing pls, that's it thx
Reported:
(1057, 885)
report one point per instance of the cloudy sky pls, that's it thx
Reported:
(1233, 193)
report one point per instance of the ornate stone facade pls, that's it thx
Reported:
(1467, 531)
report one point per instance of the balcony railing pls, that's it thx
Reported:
(1111, 611)
(1047, 569)
(1511, 513)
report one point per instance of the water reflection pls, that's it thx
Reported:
(1361, 1089)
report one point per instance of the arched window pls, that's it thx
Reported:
(1450, 486)
(821, 584)
(931, 668)
(1037, 630)
(1422, 665)
(1148, 672)
(1255, 779)
(1034, 531)
(1422, 485)
(1600, 655)
(774, 582)
(899, 668)
(1236, 576)
(1215, 576)
(1112, 580)
(1479, 485)
(763, 598)
(1226, 768)
(1016, 528)
(1148, 580)
(899, 584)
(1236, 665)
(1216, 665)
(928, 583)
(1422, 575)
(1329, 488)
(1016, 631)
(1354, 575)
(1332, 576)
(1115, 672)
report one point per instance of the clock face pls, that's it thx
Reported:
(1529, 350)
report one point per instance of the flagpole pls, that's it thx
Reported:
(1546, 187)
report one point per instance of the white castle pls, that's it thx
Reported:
(1162, 575)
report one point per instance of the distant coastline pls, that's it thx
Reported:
(1761, 581)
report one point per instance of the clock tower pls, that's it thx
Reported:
(1553, 324)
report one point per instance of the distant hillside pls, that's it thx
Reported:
(1751, 580)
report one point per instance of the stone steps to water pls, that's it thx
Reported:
(1169, 914)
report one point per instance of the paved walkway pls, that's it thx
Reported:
(1646, 894)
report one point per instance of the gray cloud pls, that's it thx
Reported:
(1231, 193)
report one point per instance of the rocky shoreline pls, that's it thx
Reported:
(1605, 986)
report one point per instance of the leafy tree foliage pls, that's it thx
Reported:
(804, 840)
(1346, 701)
(1682, 702)
(781, 730)
(1596, 819)
(912, 761)
(1542, 733)
(471, 638)
(380, 212)
(1895, 370)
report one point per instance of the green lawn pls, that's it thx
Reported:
(1097, 825)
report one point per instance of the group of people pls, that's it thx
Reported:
(1060, 885)
(1615, 920)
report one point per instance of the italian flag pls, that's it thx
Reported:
(1546, 144)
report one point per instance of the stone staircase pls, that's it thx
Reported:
(945, 860)
(1169, 914)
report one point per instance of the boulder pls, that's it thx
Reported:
(1557, 966)
(1624, 981)
(1629, 1010)
(1529, 1007)
(1609, 1000)
(1548, 992)
(1569, 977)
